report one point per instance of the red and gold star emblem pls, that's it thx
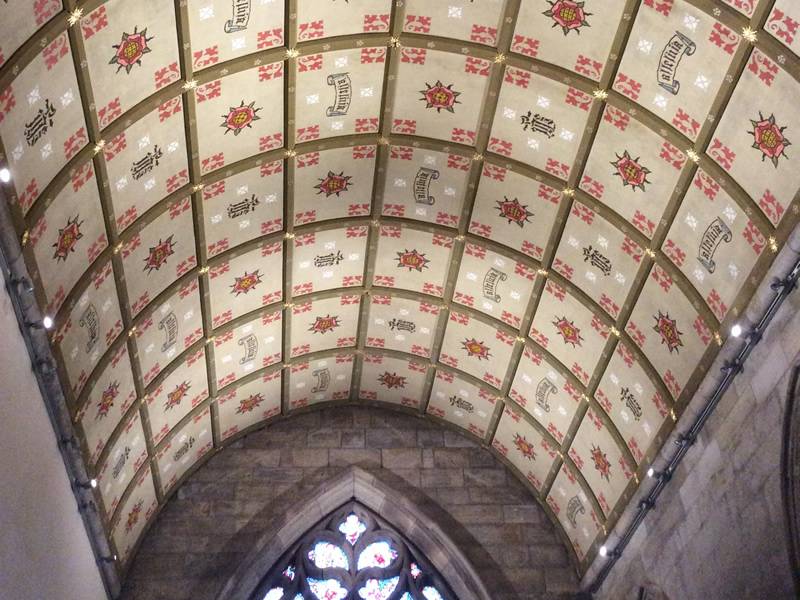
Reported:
(133, 516)
(67, 238)
(249, 404)
(524, 446)
(514, 211)
(130, 50)
(568, 331)
(107, 400)
(175, 396)
(324, 324)
(392, 380)
(240, 117)
(159, 255)
(412, 260)
(568, 14)
(440, 96)
(245, 283)
(333, 184)
(769, 138)
(601, 462)
(668, 330)
(630, 171)
(476, 348)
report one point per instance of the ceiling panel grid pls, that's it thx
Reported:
(530, 220)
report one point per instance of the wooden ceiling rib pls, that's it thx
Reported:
(211, 423)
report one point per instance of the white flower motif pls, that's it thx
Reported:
(206, 12)
(430, 159)
(47, 150)
(702, 82)
(367, 92)
(34, 95)
(454, 12)
(699, 275)
(337, 125)
(733, 270)
(509, 113)
(242, 190)
(533, 144)
(144, 142)
(150, 184)
(645, 46)
(603, 242)
(572, 241)
(67, 98)
(216, 219)
(730, 213)
(400, 183)
(472, 276)
(238, 43)
(691, 221)
(122, 183)
(543, 102)
(620, 278)
(660, 101)
(448, 191)
(567, 135)
(340, 62)
(312, 99)
(690, 22)
(591, 276)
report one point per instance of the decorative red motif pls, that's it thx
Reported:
(524, 446)
(412, 260)
(240, 117)
(668, 330)
(568, 331)
(324, 324)
(601, 462)
(513, 211)
(245, 283)
(67, 238)
(159, 254)
(392, 380)
(476, 349)
(333, 184)
(440, 96)
(107, 400)
(133, 516)
(769, 139)
(175, 396)
(630, 171)
(568, 15)
(249, 404)
(130, 49)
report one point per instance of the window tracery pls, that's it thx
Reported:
(353, 555)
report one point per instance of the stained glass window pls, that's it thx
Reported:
(353, 555)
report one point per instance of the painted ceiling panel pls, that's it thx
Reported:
(574, 41)
(225, 30)
(42, 123)
(242, 207)
(316, 21)
(248, 403)
(334, 184)
(425, 185)
(535, 221)
(131, 51)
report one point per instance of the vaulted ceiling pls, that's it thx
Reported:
(533, 220)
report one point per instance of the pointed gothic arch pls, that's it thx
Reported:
(427, 542)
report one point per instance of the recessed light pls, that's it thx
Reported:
(5, 175)
(736, 330)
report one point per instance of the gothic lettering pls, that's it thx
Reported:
(183, 450)
(458, 402)
(422, 186)
(249, 344)
(120, 464)
(630, 401)
(169, 325)
(323, 380)
(343, 90)
(574, 508)
(402, 325)
(328, 260)
(597, 260)
(91, 321)
(243, 207)
(539, 124)
(40, 124)
(241, 15)
(678, 46)
(490, 282)
(544, 389)
(147, 163)
(716, 233)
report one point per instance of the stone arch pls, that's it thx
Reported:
(380, 497)
(220, 515)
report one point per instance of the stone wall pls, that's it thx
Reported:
(718, 530)
(217, 515)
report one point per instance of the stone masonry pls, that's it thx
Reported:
(718, 531)
(221, 510)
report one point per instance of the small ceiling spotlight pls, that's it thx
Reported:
(5, 175)
(47, 322)
(88, 485)
(603, 550)
(651, 471)
(736, 330)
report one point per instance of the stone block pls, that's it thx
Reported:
(353, 438)
(439, 478)
(390, 438)
(401, 458)
(344, 457)
(448, 458)
(304, 457)
(485, 477)
(324, 438)
(453, 439)
(430, 438)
